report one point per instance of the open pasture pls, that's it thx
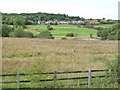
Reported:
(36, 55)
(61, 30)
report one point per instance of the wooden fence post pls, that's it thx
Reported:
(89, 77)
(18, 81)
(55, 76)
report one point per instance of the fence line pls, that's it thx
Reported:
(89, 77)
(23, 74)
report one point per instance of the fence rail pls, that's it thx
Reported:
(69, 72)
(88, 77)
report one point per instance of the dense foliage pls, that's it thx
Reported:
(49, 27)
(70, 34)
(6, 30)
(46, 34)
(33, 18)
(110, 33)
(19, 32)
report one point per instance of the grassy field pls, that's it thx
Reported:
(105, 25)
(28, 55)
(25, 55)
(22, 54)
(61, 30)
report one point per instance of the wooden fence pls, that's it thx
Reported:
(54, 79)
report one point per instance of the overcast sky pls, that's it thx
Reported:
(82, 8)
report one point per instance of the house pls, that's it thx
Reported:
(81, 22)
(49, 22)
(63, 22)
(41, 22)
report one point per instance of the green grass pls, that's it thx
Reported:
(105, 25)
(62, 30)
(27, 55)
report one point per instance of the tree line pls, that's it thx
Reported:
(33, 18)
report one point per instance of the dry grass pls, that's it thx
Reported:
(31, 55)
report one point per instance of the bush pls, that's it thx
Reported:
(6, 30)
(49, 27)
(29, 34)
(110, 33)
(63, 38)
(70, 34)
(113, 77)
(103, 34)
(19, 32)
(46, 34)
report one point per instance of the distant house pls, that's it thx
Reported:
(63, 22)
(81, 22)
(41, 22)
(55, 22)
(74, 22)
(52, 22)
(60, 22)
(49, 22)
(69, 22)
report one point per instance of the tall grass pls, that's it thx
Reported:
(56, 55)
(42, 55)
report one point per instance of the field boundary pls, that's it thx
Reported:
(54, 79)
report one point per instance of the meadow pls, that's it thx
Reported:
(61, 30)
(24, 55)
(29, 55)
(104, 25)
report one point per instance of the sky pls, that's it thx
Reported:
(84, 8)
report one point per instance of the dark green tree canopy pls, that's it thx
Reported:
(19, 21)
(110, 33)
(6, 30)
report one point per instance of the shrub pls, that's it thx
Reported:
(103, 34)
(110, 33)
(113, 77)
(19, 32)
(49, 27)
(6, 30)
(28, 34)
(70, 34)
(46, 34)
(63, 38)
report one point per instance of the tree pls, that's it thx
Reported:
(19, 21)
(6, 30)
(110, 33)
(49, 27)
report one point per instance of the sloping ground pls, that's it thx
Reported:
(61, 30)
(31, 55)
